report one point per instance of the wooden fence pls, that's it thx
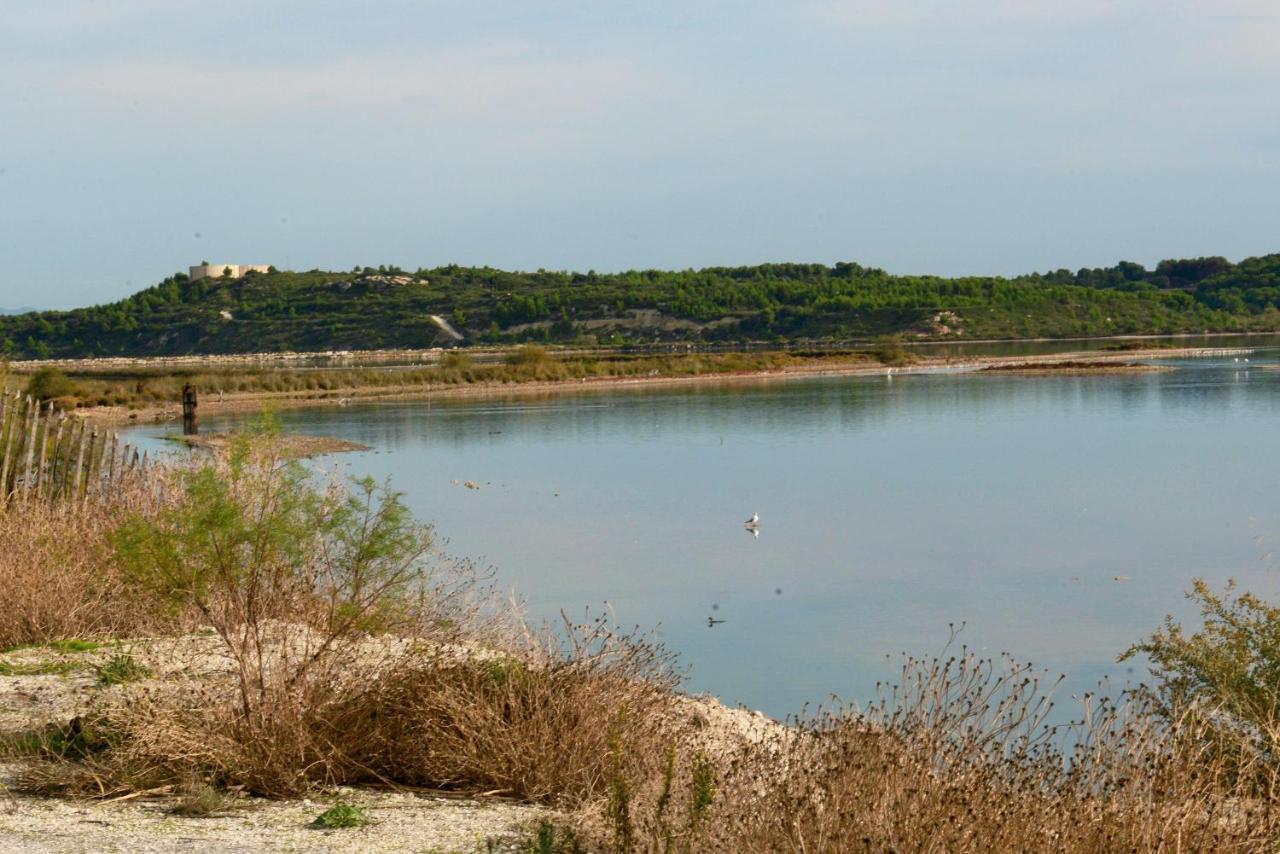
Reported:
(46, 455)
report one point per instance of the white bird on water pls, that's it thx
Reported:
(754, 521)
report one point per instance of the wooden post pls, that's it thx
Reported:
(90, 439)
(32, 427)
(8, 428)
(51, 472)
(74, 437)
(44, 448)
(190, 418)
(111, 466)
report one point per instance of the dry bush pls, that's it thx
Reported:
(959, 758)
(542, 723)
(539, 722)
(59, 579)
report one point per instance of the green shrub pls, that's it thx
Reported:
(888, 350)
(1226, 676)
(49, 383)
(456, 360)
(120, 668)
(342, 815)
(527, 356)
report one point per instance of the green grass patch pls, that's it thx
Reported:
(37, 668)
(74, 645)
(342, 815)
(548, 839)
(65, 645)
(120, 668)
(76, 740)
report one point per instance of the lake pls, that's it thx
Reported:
(890, 509)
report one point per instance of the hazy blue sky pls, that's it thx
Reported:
(140, 136)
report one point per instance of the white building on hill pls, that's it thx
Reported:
(235, 271)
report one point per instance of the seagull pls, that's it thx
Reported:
(711, 621)
(754, 521)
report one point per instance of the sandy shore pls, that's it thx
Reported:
(1097, 363)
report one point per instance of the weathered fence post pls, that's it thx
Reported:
(190, 418)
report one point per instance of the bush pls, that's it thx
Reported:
(49, 383)
(888, 350)
(530, 355)
(456, 360)
(1224, 678)
(342, 815)
(298, 580)
(541, 726)
(120, 668)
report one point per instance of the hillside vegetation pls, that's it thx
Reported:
(772, 303)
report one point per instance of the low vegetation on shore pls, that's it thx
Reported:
(146, 387)
(264, 633)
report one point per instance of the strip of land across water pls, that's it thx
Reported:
(149, 390)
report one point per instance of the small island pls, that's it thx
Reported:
(288, 445)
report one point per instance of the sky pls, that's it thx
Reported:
(138, 137)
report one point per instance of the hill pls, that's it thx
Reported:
(773, 303)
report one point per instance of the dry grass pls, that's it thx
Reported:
(958, 758)
(58, 580)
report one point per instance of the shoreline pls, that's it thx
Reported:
(1036, 365)
(431, 355)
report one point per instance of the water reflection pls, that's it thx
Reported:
(895, 508)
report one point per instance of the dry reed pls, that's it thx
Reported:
(58, 578)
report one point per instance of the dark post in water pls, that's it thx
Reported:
(190, 420)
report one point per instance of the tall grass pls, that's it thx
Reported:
(959, 758)
(58, 578)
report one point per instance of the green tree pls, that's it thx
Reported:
(49, 383)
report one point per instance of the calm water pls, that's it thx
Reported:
(890, 508)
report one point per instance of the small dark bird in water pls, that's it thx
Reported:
(711, 621)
